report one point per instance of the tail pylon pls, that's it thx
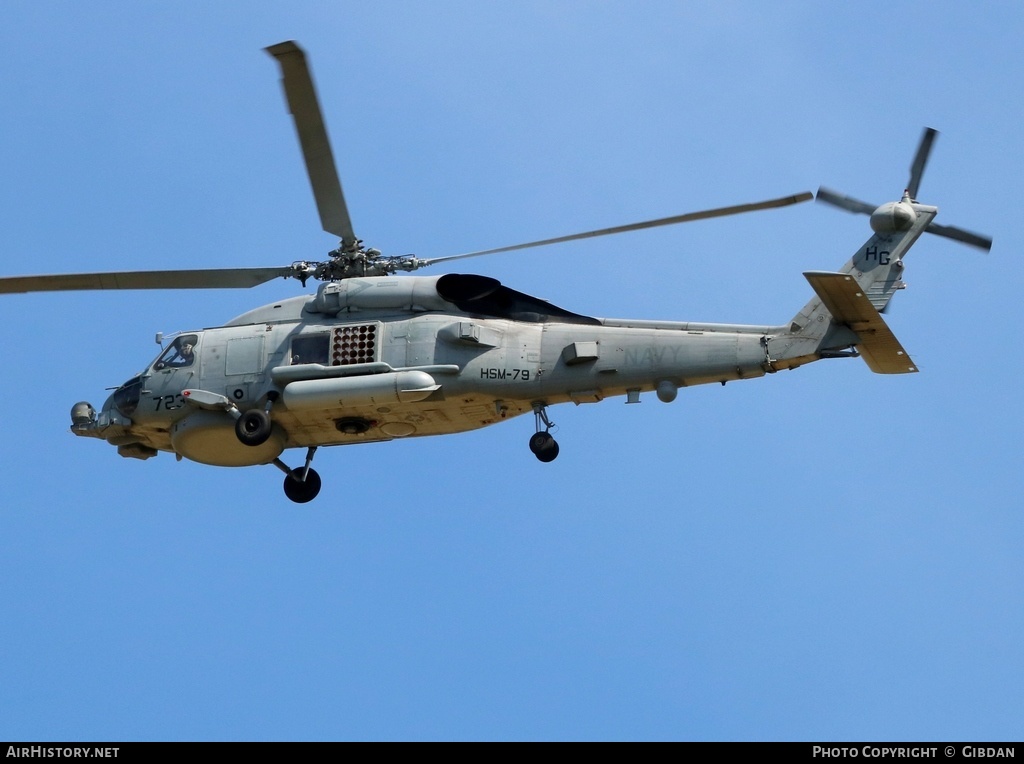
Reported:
(845, 316)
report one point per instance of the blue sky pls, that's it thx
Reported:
(822, 554)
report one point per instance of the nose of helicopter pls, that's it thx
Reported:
(126, 398)
(117, 410)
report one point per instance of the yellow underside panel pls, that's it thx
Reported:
(848, 304)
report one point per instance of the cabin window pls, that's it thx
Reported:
(311, 348)
(180, 354)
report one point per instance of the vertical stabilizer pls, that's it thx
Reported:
(876, 269)
(847, 307)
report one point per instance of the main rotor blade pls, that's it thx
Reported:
(844, 202)
(686, 218)
(959, 234)
(223, 278)
(316, 148)
(920, 160)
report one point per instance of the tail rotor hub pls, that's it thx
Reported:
(893, 217)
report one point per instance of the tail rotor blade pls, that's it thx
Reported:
(959, 234)
(920, 160)
(316, 148)
(844, 202)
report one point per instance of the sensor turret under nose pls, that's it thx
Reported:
(82, 413)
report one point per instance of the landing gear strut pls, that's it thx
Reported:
(543, 445)
(301, 484)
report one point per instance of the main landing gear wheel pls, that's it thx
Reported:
(301, 484)
(253, 428)
(301, 491)
(544, 446)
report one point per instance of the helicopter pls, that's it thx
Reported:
(373, 356)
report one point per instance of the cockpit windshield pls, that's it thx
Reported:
(180, 353)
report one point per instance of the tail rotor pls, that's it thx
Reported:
(886, 216)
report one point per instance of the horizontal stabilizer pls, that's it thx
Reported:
(849, 305)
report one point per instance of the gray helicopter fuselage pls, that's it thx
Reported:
(387, 357)
(373, 357)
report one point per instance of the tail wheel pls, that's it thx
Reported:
(302, 491)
